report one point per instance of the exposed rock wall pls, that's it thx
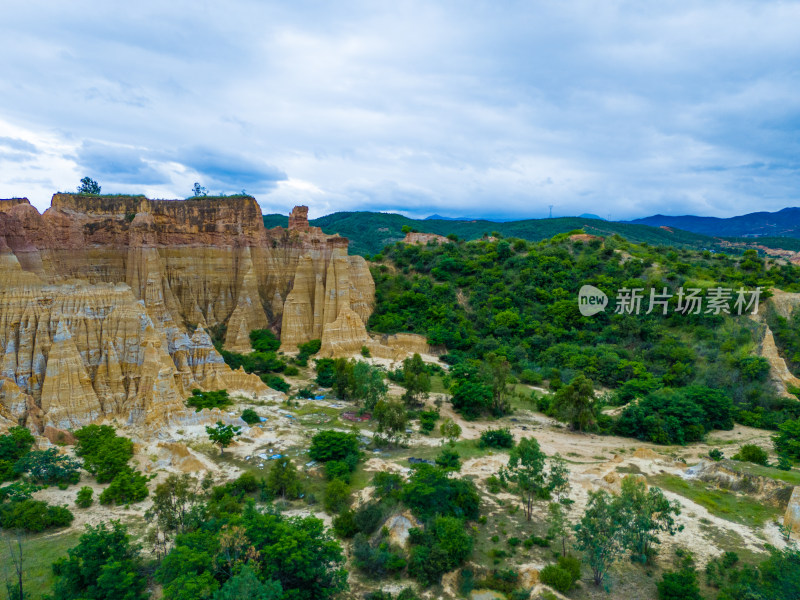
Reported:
(106, 302)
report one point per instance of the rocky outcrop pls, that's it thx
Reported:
(106, 303)
(415, 237)
(730, 475)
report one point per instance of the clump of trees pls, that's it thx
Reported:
(200, 400)
(352, 380)
(629, 522)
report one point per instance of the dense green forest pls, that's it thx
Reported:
(516, 300)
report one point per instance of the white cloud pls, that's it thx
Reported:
(487, 109)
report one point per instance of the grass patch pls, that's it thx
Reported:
(791, 477)
(38, 553)
(720, 503)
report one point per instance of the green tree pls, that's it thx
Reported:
(13, 445)
(559, 526)
(575, 403)
(526, 469)
(558, 479)
(647, 513)
(250, 416)
(246, 586)
(282, 479)
(105, 565)
(84, 497)
(198, 190)
(392, 420)
(498, 371)
(104, 453)
(337, 496)
(751, 453)
(333, 445)
(599, 534)
(431, 491)
(448, 459)
(326, 374)
(176, 507)
(222, 434)
(89, 187)
(127, 487)
(263, 340)
(682, 583)
(416, 381)
(49, 467)
(787, 442)
(368, 384)
(450, 430)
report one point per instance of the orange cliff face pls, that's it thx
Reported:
(105, 302)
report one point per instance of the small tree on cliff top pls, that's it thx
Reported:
(89, 186)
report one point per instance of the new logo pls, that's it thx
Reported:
(591, 300)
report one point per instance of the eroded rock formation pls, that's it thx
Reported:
(106, 303)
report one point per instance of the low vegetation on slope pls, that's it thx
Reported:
(511, 305)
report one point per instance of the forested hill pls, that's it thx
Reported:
(369, 232)
(518, 300)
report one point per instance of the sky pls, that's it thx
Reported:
(461, 108)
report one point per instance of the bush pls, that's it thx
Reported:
(263, 340)
(337, 496)
(376, 562)
(556, 577)
(784, 463)
(250, 416)
(84, 498)
(428, 420)
(33, 515)
(13, 445)
(337, 469)
(49, 467)
(715, 454)
(291, 371)
(127, 487)
(310, 347)
(449, 459)
(282, 480)
(333, 445)
(276, 382)
(365, 352)
(496, 438)
(104, 453)
(751, 453)
(306, 392)
(344, 524)
(200, 400)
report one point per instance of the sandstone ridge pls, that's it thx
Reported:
(107, 302)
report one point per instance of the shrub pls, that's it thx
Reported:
(33, 515)
(337, 496)
(13, 445)
(49, 467)
(428, 420)
(291, 371)
(448, 459)
(496, 438)
(282, 479)
(751, 453)
(365, 352)
(333, 445)
(250, 416)
(306, 392)
(344, 524)
(276, 382)
(378, 561)
(263, 340)
(84, 498)
(310, 347)
(337, 469)
(715, 455)
(127, 487)
(104, 453)
(200, 400)
(556, 577)
(784, 463)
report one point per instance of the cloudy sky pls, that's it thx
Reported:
(495, 109)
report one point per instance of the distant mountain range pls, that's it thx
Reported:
(784, 223)
(369, 232)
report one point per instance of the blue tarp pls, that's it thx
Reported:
(319, 397)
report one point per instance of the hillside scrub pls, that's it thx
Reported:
(515, 299)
